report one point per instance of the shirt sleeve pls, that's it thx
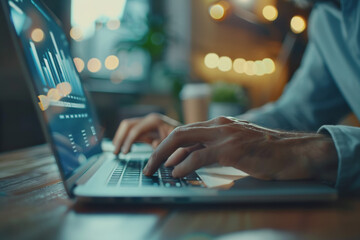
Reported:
(310, 100)
(347, 143)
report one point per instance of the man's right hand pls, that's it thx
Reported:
(152, 129)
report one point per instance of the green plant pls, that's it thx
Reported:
(229, 93)
(153, 41)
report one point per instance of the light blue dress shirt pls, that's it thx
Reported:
(325, 88)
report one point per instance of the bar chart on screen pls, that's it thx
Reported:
(58, 76)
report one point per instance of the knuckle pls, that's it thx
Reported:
(182, 151)
(153, 116)
(177, 132)
(222, 120)
(125, 123)
(186, 151)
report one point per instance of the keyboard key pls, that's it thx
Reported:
(130, 174)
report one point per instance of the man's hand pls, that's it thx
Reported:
(151, 129)
(262, 153)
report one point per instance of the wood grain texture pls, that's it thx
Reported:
(34, 205)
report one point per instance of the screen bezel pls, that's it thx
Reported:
(69, 182)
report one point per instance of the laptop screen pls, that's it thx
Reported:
(59, 93)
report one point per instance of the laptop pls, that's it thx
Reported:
(90, 174)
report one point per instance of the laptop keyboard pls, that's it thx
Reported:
(129, 174)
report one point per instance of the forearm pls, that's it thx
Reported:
(311, 156)
(322, 156)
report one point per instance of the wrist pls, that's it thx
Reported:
(322, 158)
(307, 156)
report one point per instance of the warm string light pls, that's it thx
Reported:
(240, 65)
(211, 60)
(225, 64)
(297, 24)
(217, 11)
(270, 13)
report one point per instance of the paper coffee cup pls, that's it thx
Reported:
(195, 102)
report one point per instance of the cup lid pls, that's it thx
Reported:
(195, 90)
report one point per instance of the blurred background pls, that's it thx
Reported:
(142, 56)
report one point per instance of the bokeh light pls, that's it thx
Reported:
(259, 68)
(94, 65)
(217, 11)
(270, 13)
(297, 24)
(76, 34)
(269, 65)
(79, 64)
(250, 68)
(211, 60)
(54, 94)
(225, 64)
(239, 65)
(37, 35)
(111, 62)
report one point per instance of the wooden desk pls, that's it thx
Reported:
(34, 205)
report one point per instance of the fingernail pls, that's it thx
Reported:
(124, 150)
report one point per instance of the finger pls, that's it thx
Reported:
(155, 143)
(144, 127)
(180, 137)
(162, 133)
(180, 154)
(122, 132)
(148, 138)
(194, 161)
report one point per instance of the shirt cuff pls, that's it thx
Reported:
(347, 143)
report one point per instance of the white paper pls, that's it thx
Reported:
(221, 170)
(217, 176)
